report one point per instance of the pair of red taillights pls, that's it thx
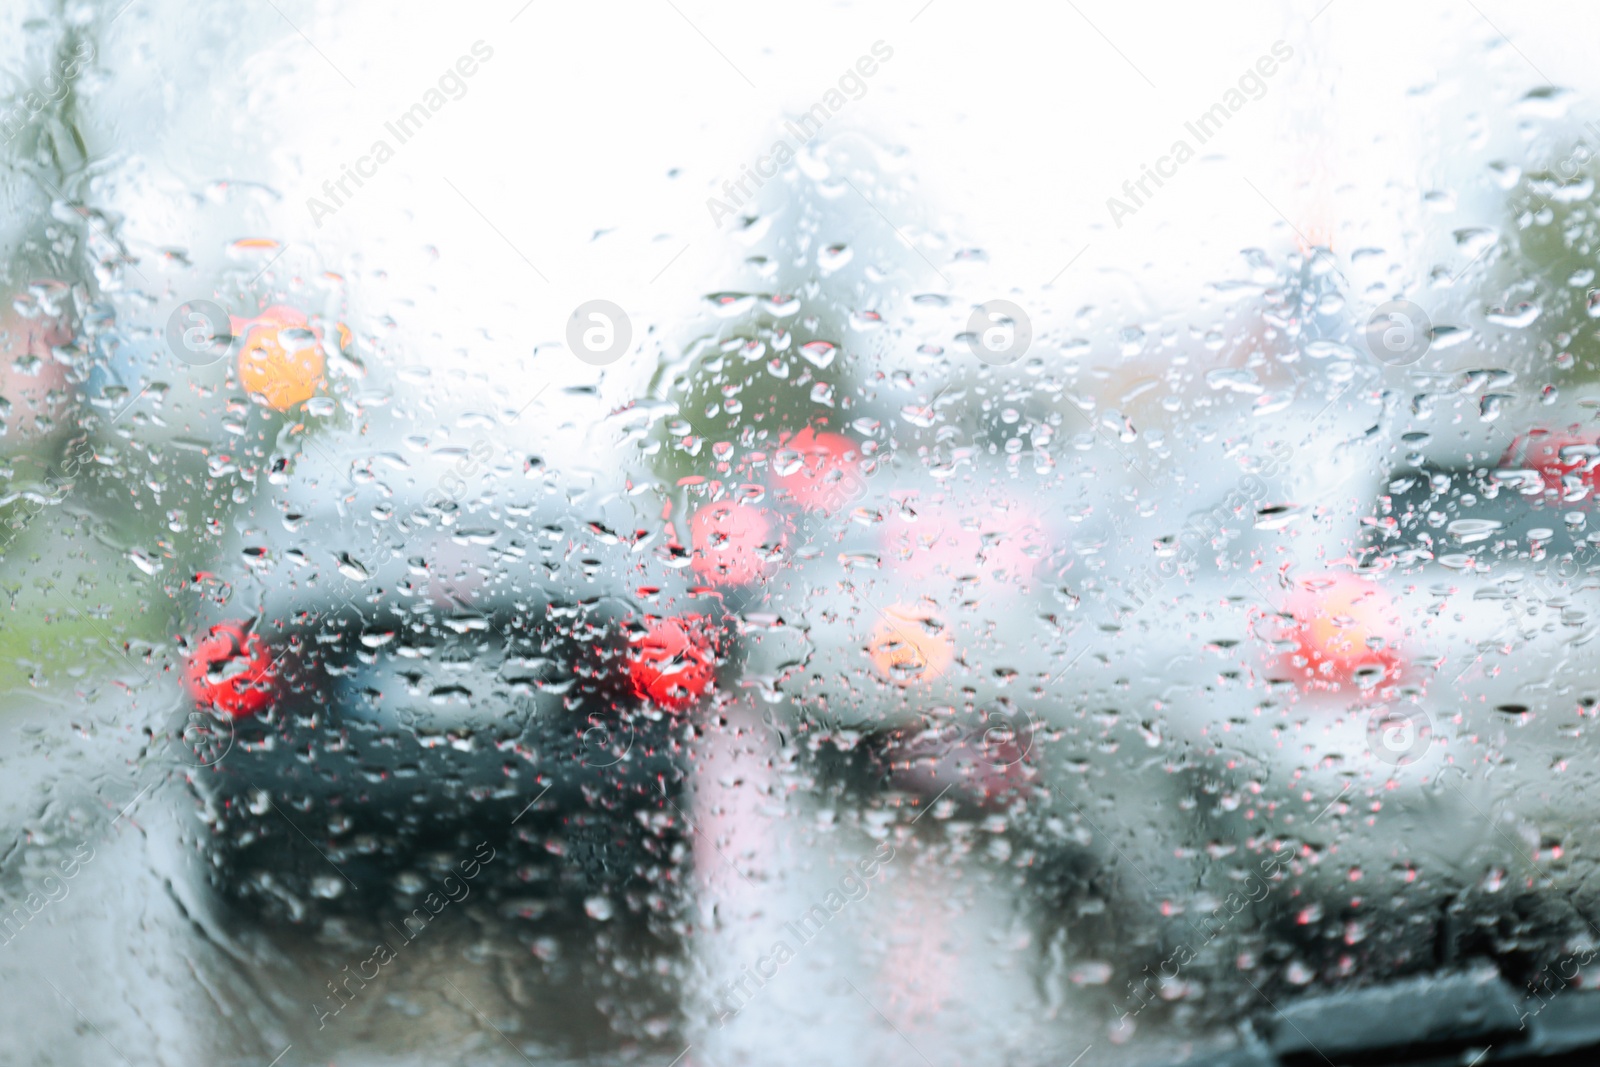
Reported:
(672, 663)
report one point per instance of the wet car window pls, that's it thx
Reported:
(693, 534)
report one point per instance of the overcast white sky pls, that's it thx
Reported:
(1017, 120)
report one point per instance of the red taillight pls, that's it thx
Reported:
(1343, 629)
(674, 662)
(1555, 456)
(232, 671)
(825, 479)
(732, 543)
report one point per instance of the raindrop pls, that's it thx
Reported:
(819, 353)
(833, 257)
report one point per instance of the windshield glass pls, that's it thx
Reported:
(906, 534)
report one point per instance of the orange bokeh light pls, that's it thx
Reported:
(910, 645)
(284, 374)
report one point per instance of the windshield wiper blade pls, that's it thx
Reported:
(1450, 1020)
